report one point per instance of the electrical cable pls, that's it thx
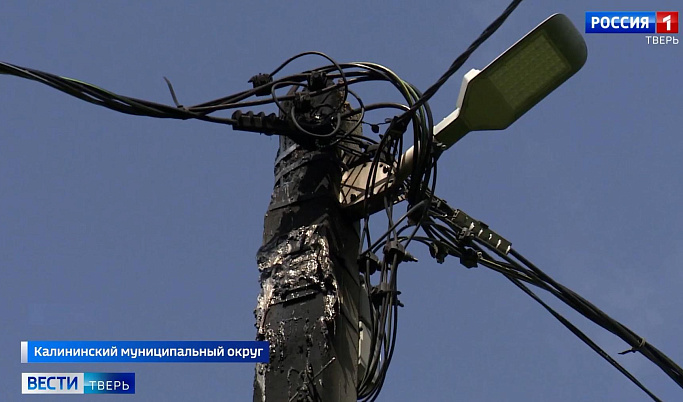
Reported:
(585, 339)
(462, 58)
(323, 125)
(452, 239)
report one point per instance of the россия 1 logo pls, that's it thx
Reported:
(667, 22)
(662, 23)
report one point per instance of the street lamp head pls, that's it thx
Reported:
(495, 97)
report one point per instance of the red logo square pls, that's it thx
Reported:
(667, 22)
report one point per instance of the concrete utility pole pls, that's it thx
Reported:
(308, 305)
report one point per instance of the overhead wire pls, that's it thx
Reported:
(462, 58)
(328, 130)
(455, 240)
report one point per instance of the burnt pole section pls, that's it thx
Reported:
(308, 305)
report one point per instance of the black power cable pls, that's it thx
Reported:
(451, 234)
(327, 130)
(460, 60)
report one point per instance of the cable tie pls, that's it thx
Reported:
(635, 348)
(175, 99)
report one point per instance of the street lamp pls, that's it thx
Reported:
(498, 95)
(490, 99)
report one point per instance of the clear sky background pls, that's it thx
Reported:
(116, 227)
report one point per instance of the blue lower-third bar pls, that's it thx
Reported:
(77, 383)
(144, 352)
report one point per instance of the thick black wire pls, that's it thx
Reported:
(101, 97)
(460, 60)
(331, 60)
(515, 278)
(584, 338)
(390, 342)
(593, 313)
(129, 105)
(300, 78)
(390, 145)
(533, 275)
(378, 340)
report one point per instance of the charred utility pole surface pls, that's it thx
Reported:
(308, 305)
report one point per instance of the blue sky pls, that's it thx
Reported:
(115, 227)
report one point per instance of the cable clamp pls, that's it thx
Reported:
(438, 148)
(396, 128)
(317, 80)
(438, 252)
(370, 261)
(302, 102)
(260, 80)
(465, 235)
(635, 348)
(393, 248)
(470, 257)
(378, 293)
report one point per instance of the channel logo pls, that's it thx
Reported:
(77, 383)
(660, 22)
(667, 22)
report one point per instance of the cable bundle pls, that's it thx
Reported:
(449, 235)
(320, 108)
